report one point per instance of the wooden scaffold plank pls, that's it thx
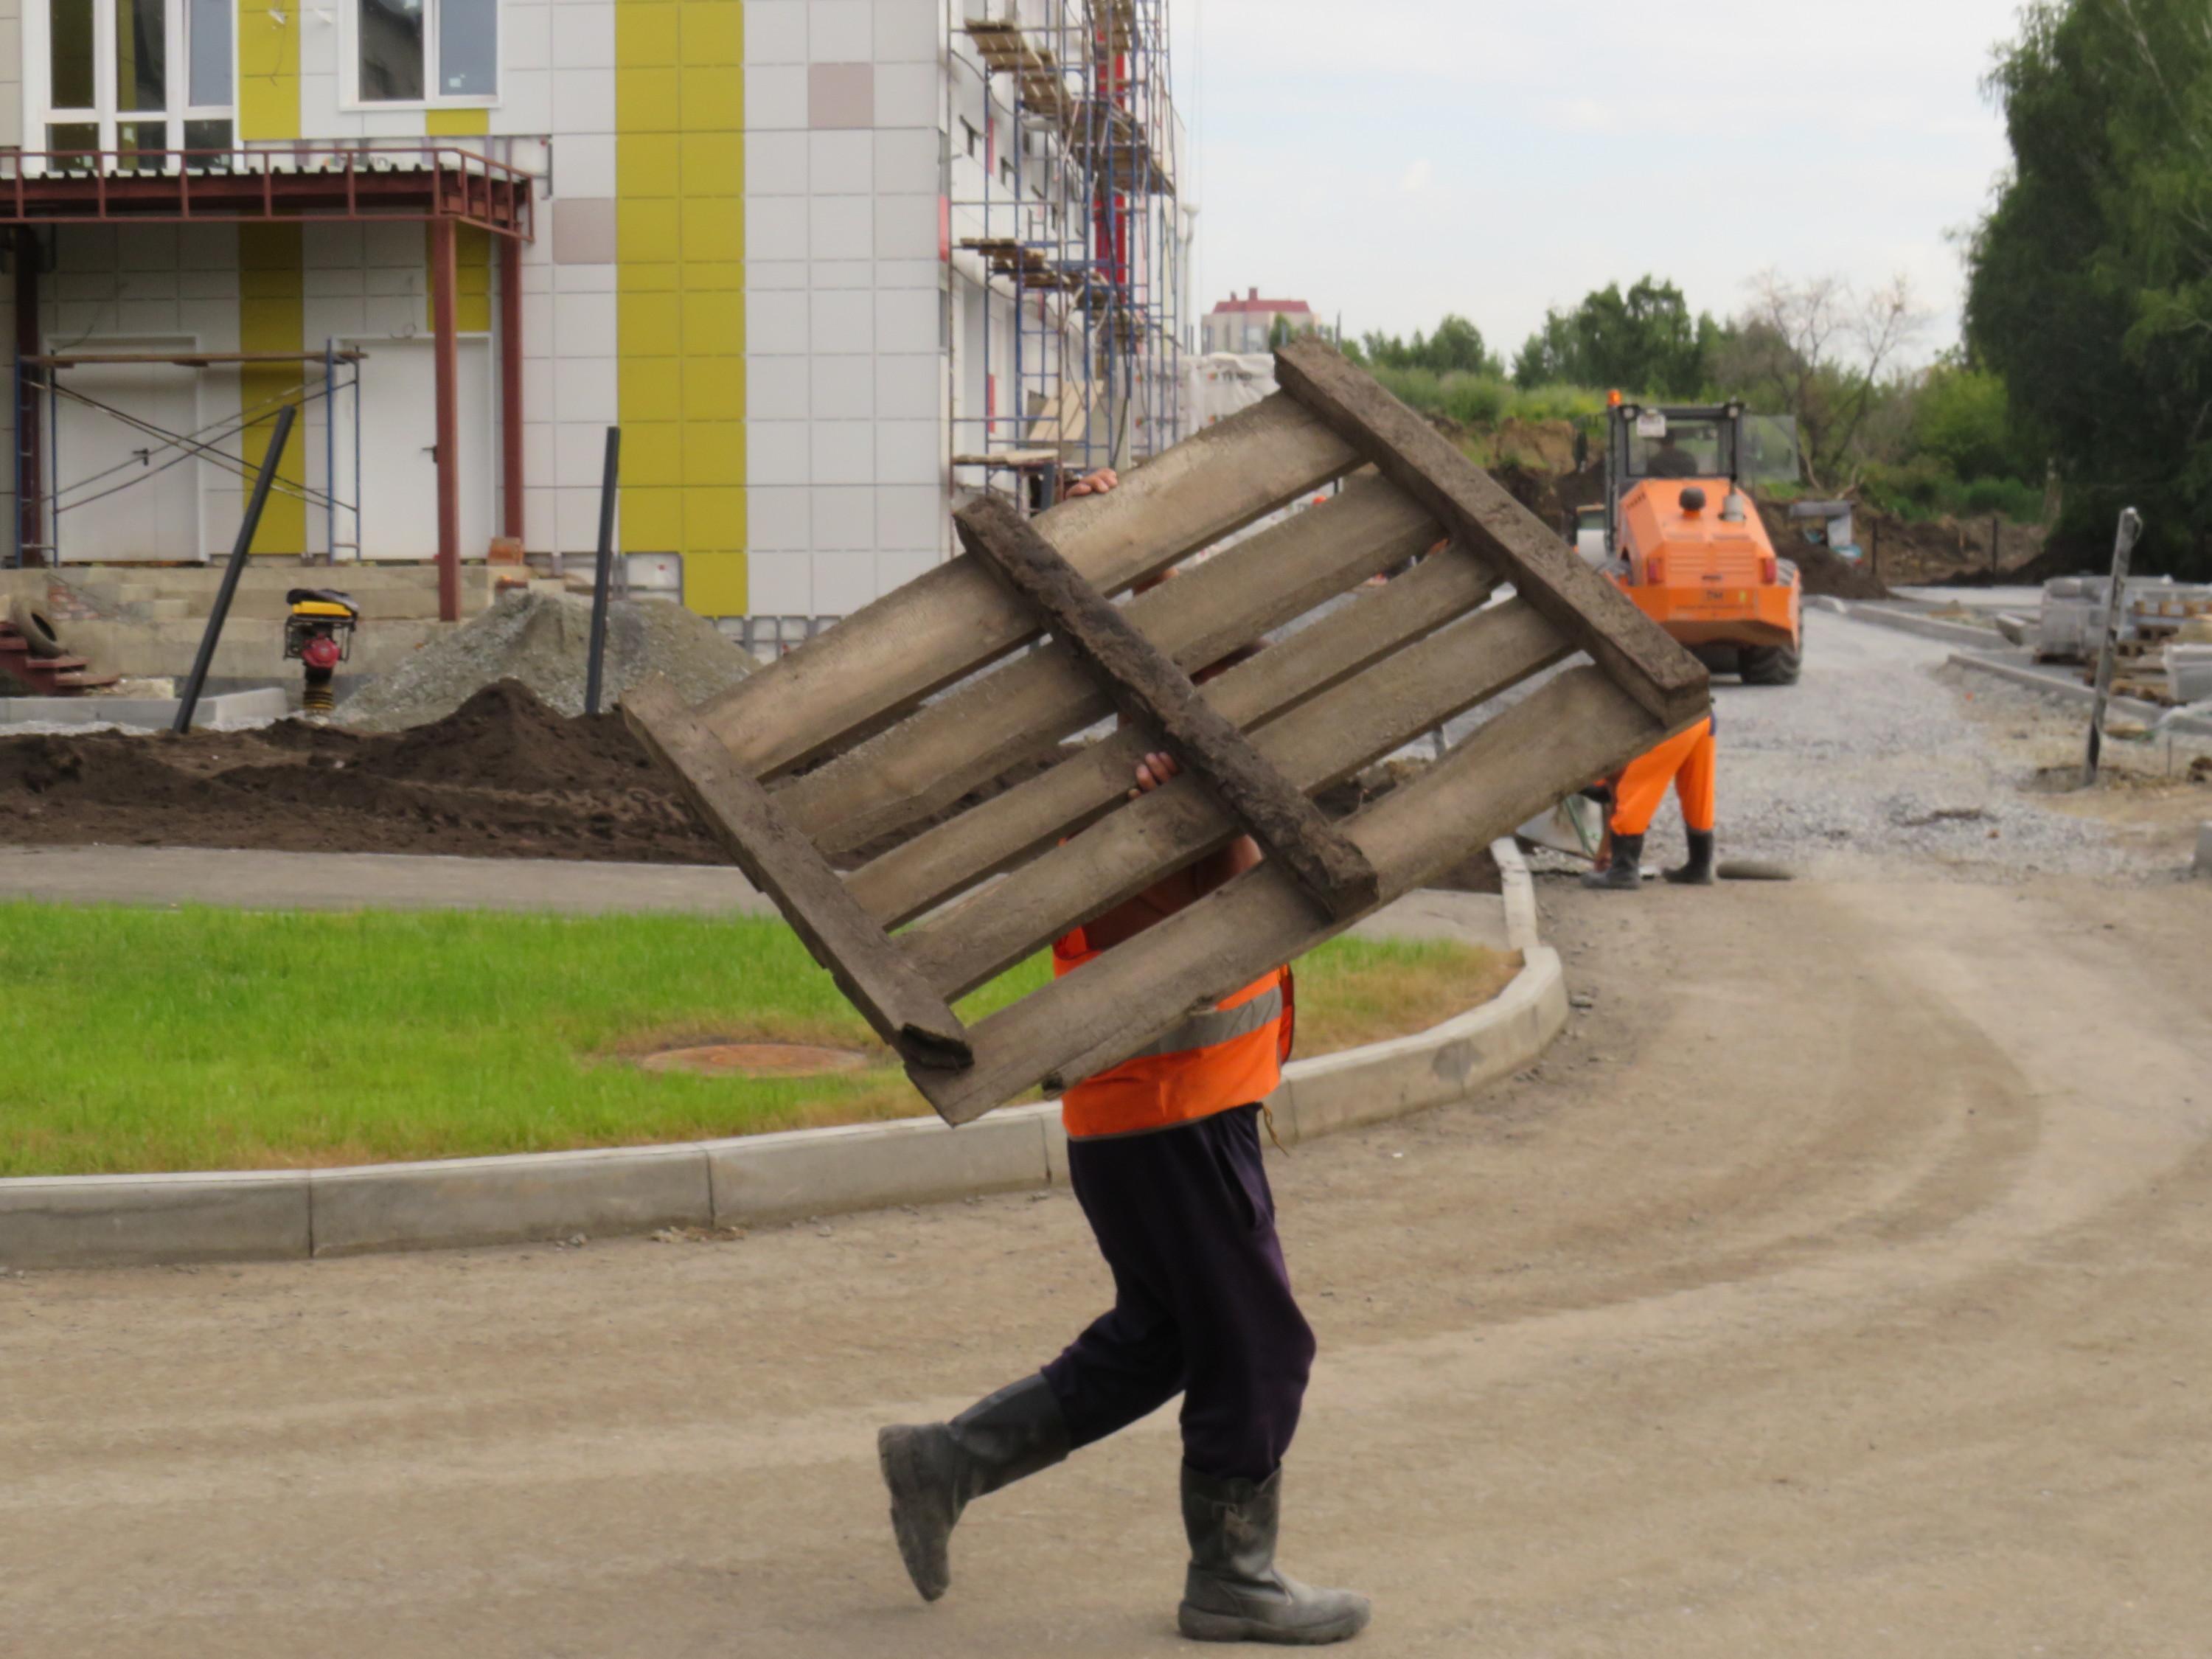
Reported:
(943, 626)
(1652, 667)
(869, 967)
(1151, 690)
(1580, 725)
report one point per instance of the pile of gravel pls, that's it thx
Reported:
(542, 640)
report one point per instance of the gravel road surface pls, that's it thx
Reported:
(1832, 1290)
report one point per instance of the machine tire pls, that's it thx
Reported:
(38, 633)
(1772, 664)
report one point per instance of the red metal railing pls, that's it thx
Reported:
(303, 181)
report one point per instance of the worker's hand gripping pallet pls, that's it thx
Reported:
(1400, 659)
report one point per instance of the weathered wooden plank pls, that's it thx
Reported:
(1575, 728)
(870, 969)
(940, 753)
(1593, 613)
(1148, 688)
(1329, 738)
(942, 862)
(945, 625)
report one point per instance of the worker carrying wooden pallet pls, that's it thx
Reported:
(1165, 1156)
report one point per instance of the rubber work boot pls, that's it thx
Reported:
(1233, 1592)
(935, 1470)
(1625, 873)
(1699, 872)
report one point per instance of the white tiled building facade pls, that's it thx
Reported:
(744, 254)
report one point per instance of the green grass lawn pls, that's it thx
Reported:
(136, 1040)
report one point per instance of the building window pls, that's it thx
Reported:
(134, 77)
(413, 51)
(209, 45)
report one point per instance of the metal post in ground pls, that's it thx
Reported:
(2116, 601)
(603, 576)
(240, 551)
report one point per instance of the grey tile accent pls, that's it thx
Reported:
(841, 96)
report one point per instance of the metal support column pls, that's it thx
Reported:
(510, 384)
(443, 278)
(30, 513)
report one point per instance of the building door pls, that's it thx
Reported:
(125, 494)
(398, 485)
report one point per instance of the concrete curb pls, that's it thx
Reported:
(1927, 628)
(2082, 696)
(115, 1221)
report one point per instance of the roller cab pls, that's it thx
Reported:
(1688, 546)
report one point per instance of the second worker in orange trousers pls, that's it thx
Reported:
(1686, 762)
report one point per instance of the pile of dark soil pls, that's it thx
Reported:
(502, 776)
(1822, 572)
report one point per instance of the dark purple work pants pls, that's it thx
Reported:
(1202, 1303)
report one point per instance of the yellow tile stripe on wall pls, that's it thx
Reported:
(471, 281)
(268, 68)
(679, 113)
(270, 319)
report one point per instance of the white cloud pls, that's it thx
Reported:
(1419, 178)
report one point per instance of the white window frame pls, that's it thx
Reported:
(350, 98)
(39, 113)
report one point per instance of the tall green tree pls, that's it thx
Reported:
(2090, 282)
(1644, 341)
(1456, 347)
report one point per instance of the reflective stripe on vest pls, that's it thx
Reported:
(1215, 1060)
(1222, 1025)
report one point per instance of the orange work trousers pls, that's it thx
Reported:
(1686, 762)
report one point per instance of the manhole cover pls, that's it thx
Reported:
(756, 1060)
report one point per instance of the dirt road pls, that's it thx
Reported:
(1838, 1299)
(1835, 1290)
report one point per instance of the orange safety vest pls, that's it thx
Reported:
(1232, 1055)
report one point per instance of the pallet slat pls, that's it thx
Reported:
(1150, 689)
(1656, 670)
(1581, 725)
(974, 734)
(1327, 740)
(943, 860)
(880, 661)
(870, 969)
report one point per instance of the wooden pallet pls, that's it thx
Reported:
(845, 741)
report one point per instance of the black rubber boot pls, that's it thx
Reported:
(1625, 873)
(1699, 872)
(1233, 1592)
(935, 1470)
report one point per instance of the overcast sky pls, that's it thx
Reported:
(1394, 160)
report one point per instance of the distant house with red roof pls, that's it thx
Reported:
(1245, 326)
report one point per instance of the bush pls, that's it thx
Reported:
(1476, 400)
(2019, 501)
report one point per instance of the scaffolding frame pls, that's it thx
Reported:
(1080, 238)
(37, 379)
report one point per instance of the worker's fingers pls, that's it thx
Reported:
(1152, 772)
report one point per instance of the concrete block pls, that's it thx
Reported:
(117, 1221)
(227, 708)
(509, 1200)
(2203, 866)
(1436, 1068)
(786, 1177)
